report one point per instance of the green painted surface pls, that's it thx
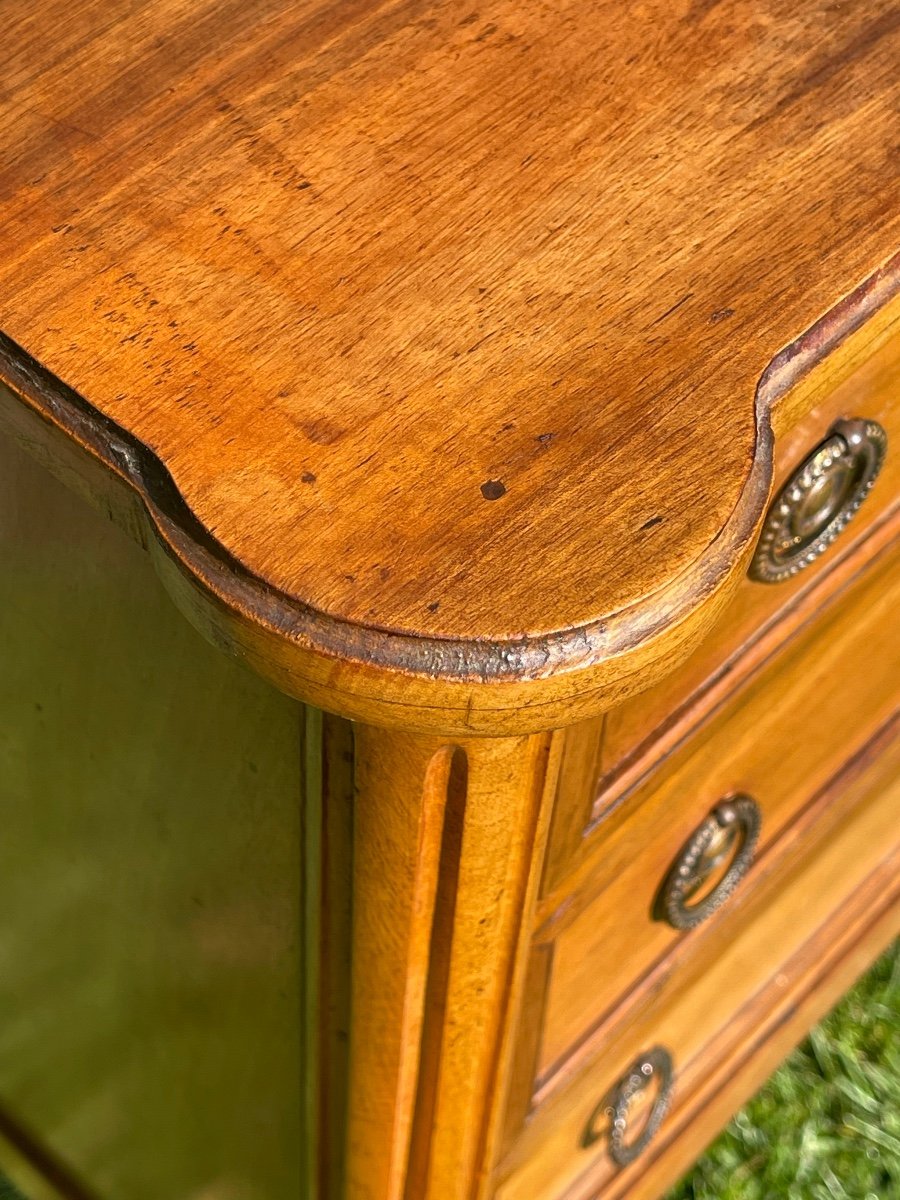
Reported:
(150, 874)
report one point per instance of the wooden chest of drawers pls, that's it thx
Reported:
(509, 402)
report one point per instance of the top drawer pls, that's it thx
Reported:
(605, 758)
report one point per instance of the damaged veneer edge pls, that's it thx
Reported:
(422, 684)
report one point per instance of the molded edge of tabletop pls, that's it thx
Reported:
(454, 687)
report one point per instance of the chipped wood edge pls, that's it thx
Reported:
(455, 687)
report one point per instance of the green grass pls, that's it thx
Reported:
(827, 1125)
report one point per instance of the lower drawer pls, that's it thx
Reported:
(776, 743)
(838, 881)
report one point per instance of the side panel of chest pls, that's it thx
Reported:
(150, 875)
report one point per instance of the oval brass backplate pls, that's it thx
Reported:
(610, 1118)
(728, 834)
(819, 499)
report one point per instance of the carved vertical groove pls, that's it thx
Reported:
(401, 791)
(511, 783)
(438, 977)
(448, 847)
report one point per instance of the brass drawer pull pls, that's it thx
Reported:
(655, 1067)
(728, 835)
(819, 499)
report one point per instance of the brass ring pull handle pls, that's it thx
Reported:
(819, 499)
(655, 1067)
(728, 835)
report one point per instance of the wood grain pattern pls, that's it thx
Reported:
(713, 1012)
(829, 967)
(576, 859)
(442, 361)
(411, 303)
(403, 788)
(854, 829)
(780, 741)
(445, 882)
(606, 758)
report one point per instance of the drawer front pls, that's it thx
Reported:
(607, 757)
(780, 742)
(838, 881)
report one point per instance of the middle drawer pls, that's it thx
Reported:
(778, 741)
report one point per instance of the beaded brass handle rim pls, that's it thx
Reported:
(819, 499)
(653, 1067)
(732, 827)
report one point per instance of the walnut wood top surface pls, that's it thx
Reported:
(446, 320)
